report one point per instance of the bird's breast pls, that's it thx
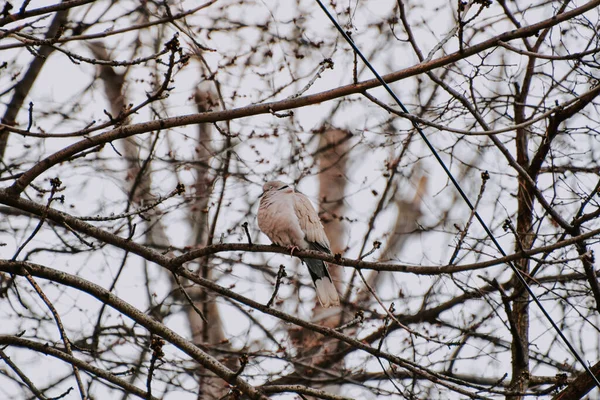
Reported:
(277, 220)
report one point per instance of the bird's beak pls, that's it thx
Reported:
(261, 195)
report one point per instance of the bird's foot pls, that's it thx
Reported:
(292, 249)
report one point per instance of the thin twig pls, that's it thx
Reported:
(323, 65)
(243, 363)
(280, 275)
(23, 376)
(30, 116)
(180, 189)
(55, 187)
(376, 246)
(359, 317)
(61, 329)
(485, 176)
(157, 354)
(245, 226)
(189, 299)
(393, 317)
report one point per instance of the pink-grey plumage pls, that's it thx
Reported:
(289, 219)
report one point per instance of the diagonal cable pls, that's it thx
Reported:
(461, 192)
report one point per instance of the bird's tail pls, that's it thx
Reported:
(326, 291)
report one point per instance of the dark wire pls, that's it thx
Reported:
(461, 192)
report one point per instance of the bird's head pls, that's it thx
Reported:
(273, 187)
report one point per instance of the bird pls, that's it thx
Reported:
(289, 219)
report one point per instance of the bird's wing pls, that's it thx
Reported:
(277, 219)
(310, 223)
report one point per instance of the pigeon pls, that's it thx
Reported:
(289, 219)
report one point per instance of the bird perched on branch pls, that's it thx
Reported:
(289, 219)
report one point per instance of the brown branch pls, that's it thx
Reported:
(573, 56)
(485, 176)
(149, 254)
(301, 390)
(587, 259)
(63, 6)
(209, 362)
(104, 34)
(280, 275)
(147, 321)
(580, 386)
(189, 299)
(521, 347)
(44, 348)
(265, 108)
(61, 329)
(22, 376)
(552, 131)
(26, 83)
(156, 345)
(432, 315)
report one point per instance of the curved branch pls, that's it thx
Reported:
(71, 222)
(125, 131)
(65, 5)
(104, 296)
(209, 362)
(44, 348)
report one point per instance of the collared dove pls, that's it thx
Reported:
(289, 219)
